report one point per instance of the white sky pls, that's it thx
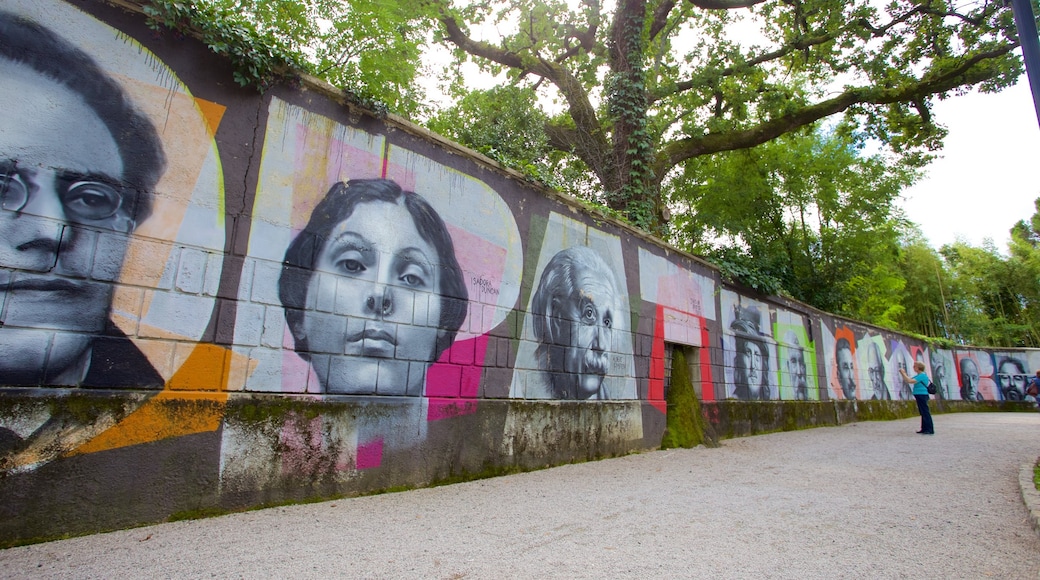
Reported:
(989, 173)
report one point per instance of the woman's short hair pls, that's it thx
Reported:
(919, 366)
(27, 43)
(338, 205)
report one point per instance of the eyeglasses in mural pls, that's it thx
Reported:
(112, 222)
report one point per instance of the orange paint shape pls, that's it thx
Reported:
(170, 413)
(162, 417)
(212, 113)
(205, 369)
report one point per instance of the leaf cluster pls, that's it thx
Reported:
(259, 58)
(369, 48)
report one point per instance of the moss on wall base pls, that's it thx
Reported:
(686, 426)
(267, 450)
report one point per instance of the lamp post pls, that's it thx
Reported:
(1025, 22)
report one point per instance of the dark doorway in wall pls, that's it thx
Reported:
(692, 356)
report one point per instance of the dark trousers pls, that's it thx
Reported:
(926, 415)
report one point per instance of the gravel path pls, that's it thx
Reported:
(865, 500)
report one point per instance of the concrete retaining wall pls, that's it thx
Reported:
(214, 299)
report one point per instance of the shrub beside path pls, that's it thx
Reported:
(864, 500)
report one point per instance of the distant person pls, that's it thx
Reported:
(574, 310)
(845, 362)
(1033, 390)
(78, 167)
(970, 380)
(920, 390)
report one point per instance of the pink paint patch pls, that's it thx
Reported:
(323, 160)
(680, 292)
(656, 394)
(370, 454)
(706, 394)
(303, 446)
(453, 389)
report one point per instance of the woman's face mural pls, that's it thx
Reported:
(371, 288)
(380, 279)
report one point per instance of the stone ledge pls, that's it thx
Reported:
(1030, 495)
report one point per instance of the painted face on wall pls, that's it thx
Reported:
(938, 372)
(1012, 377)
(846, 372)
(749, 372)
(876, 372)
(381, 278)
(969, 380)
(62, 201)
(588, 332)
(797, 370)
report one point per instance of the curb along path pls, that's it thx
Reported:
(862, 500)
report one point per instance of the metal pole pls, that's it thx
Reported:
(1025, 21)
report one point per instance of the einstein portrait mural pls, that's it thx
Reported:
(112, 222)
(577, 343)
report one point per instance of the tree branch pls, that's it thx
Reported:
(580, 108)
(968, 72)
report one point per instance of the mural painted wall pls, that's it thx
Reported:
(215, 298)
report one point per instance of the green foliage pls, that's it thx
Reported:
(926, 290)
(369, 48)
(807, 215)
(259, 58)
(503, 123)
(974, 295)
(995, 300)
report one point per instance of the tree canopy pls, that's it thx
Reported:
(646, 86)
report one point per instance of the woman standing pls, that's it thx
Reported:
(920, 383)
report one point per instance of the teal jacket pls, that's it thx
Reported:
(920, 384)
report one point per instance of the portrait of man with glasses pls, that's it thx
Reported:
(78, 165)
